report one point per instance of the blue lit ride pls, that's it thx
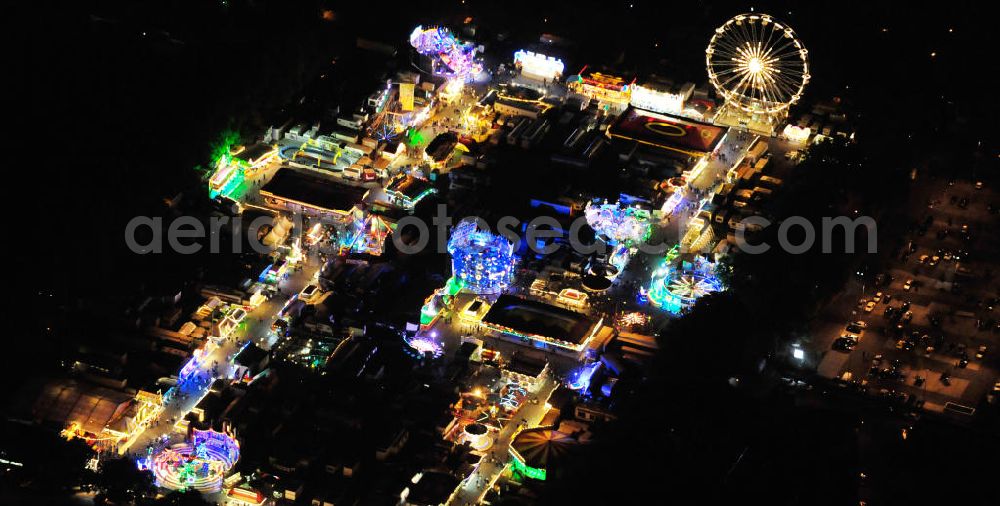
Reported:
(676, 285)
(619, 223)
(451, 57)
(483, 261)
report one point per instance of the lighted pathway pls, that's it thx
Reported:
(257, 328)
(734, 147)
(472, 489)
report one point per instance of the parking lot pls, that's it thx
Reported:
(930, 336)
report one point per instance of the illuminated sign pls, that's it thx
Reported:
(656, 101)
(221, 177)
(528, 471)
(672, 202)
(538, 65)
(406, 96)
(604, 88)
(796, 134)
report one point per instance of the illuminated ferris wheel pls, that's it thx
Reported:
(757, 64)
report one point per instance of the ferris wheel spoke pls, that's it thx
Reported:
(730, 64)
(771, 94)
(780, 43)
(775, 78)
(783, 52)
(763, 89)
(758, 40)
(773, 42)
(778, 93)
(727, 77)
(788, 82)
(745, 84)
(727, 42)
(793, 54)
(770, 38)
(747, 37)
(726, 85)
(738, 64)
(732, 73)
(729, 48)
(793, 83)
(736, 40)
(737, 88)
(791, 76)
(789, 65)
(727, 65)
(777, 75)
(754, 36)
(734, 62)
(744, 50)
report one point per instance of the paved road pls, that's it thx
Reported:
(472, 489)
(735, 144)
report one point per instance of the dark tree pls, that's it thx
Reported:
(121, 481)
(186, 498)
(51, 466)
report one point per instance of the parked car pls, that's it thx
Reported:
(854, 329)
(844, 344)
(307, 293)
